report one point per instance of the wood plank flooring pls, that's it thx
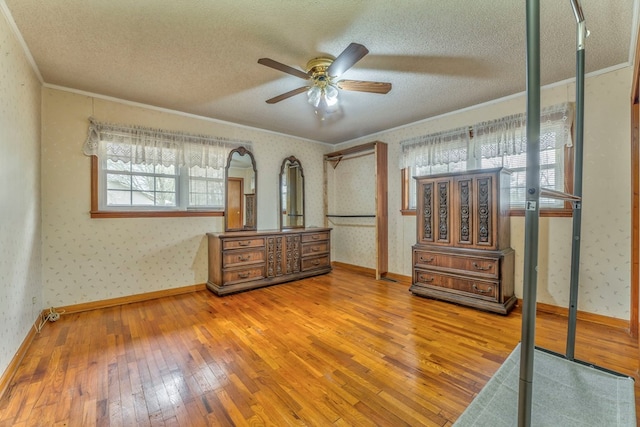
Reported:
(341, 349)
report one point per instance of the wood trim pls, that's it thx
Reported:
(408, 212)
(382, 210)
(10, 372)
(351, 150)
(94, 184)
(404, 182)
(93, 305)
(635, 219)
(155, 214)
(582, 315)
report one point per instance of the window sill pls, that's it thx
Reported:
(154, 214)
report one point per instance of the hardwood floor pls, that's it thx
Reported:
(340, 349)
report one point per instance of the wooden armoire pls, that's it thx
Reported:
(463, 252)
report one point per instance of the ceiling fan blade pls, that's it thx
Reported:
(287, 95)
(284, 68)
(364, 86)
(347, 59)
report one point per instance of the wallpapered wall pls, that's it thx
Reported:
(88, 259)
(605, 271)
(20, 266)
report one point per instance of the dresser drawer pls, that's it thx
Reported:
(477, 266)
(241, 257)
(315, 262)
(243, 243)
(243, 274)
(315, 248)
(315, 237)
(484, 289)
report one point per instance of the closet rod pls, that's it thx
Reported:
(350, 216)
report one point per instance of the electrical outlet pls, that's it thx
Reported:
(33, 300)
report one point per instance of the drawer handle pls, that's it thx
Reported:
(243, 275)
(426, 279)
(430, 259)
(315, 237)
(315, 249)
(482, 291)
(481, 268)
(243, 258)
(316, 262)
(247, 243)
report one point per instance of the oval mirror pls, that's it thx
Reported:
(291, 194)
(241, 190)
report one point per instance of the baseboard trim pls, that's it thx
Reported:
(10, 372)
(541, 307)
(372, 272)
(600, 319)
(129, 299)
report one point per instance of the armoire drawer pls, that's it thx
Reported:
(457, 284)
(242, 257)
(464, 264)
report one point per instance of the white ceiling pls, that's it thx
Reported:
(200, 56)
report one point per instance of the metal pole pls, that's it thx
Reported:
(577, 179)
(530, 274)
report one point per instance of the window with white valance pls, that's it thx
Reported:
(496, 143)
(155, 170)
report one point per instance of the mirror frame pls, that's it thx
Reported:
(242, 151)
(291, 160)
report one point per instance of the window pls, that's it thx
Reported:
(144, 172)
(500, 143)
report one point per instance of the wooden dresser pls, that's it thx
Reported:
(463, 252)
(239, 261)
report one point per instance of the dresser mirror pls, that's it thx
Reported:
(291, 194)
(241, 190)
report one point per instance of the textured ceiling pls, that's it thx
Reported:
(200, 56)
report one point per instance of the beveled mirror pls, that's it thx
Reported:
(291, 194)
(240, 210)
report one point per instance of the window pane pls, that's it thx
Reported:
(141, 168)
(206, 187)
(118, 198)
(165, 199)
(139, 198)
(142, 183)
(166, 184)
(165, 170)
(118, 182)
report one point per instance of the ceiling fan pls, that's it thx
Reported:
(322, 88)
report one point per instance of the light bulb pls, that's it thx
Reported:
(314, 95)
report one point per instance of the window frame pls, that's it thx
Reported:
(96, 212)
(566, 211)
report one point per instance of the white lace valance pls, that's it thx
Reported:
(158, 147)
(435, 149)
(495, 138)
(508, 135)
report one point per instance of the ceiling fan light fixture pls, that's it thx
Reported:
(314, 96)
